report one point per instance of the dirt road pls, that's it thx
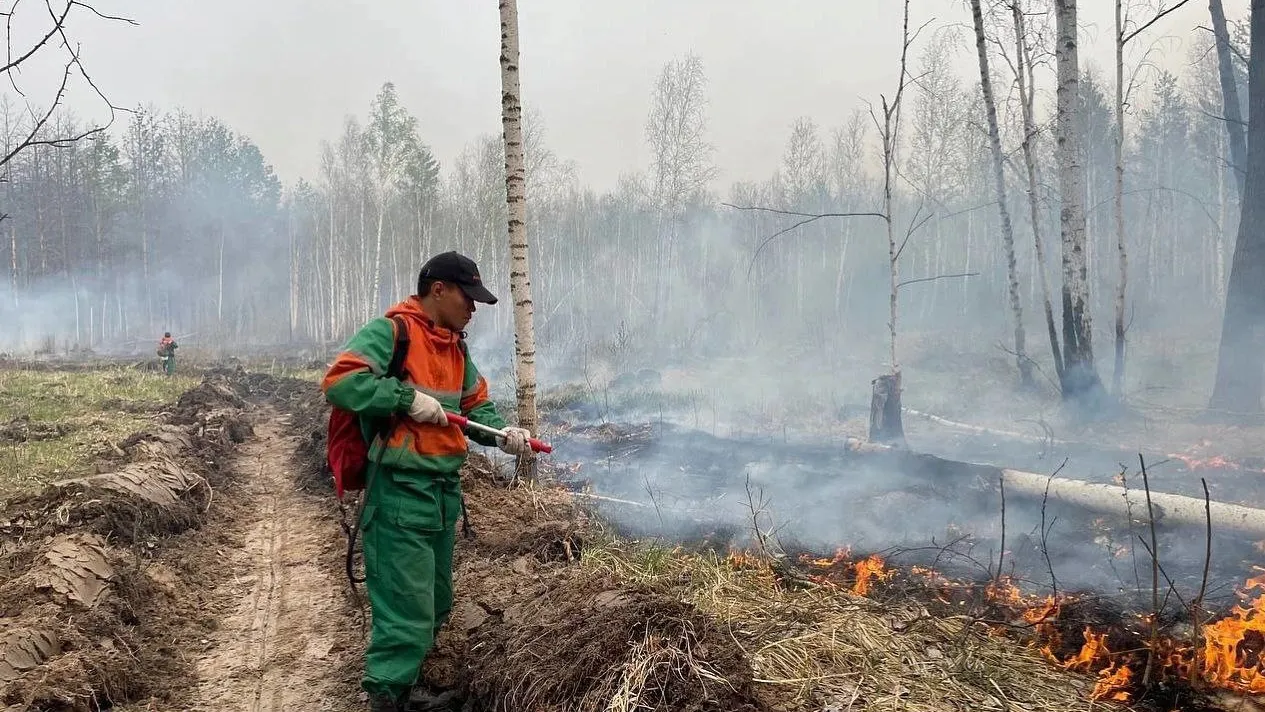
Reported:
(285, 639)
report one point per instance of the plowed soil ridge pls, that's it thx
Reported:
(86, 607)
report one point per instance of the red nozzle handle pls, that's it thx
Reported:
(463, 422)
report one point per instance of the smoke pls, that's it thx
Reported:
(683, 485)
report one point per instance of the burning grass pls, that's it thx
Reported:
(817, 643)
(1176, 669)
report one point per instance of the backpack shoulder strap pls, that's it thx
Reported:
(380, 427)
(400, 350)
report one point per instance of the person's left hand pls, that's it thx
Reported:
(515, 441)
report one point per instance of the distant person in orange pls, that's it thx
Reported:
(167, 352)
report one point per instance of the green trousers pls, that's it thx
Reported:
(169, 364)
(409, 529)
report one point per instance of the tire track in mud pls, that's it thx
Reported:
(284, 636)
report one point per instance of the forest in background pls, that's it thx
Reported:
(176, 222)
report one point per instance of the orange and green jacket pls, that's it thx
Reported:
(436, 364)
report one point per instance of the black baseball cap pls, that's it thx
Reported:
(460, 270)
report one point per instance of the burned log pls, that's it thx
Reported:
(981, 430)
(1170, 509)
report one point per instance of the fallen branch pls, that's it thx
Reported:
(986, 431)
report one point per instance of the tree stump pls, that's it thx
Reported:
(885, 421)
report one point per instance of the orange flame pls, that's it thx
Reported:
(1004, 592)
(842, 554)
(1216, 462)
(1042, 612)
(1095, 647)
(744, 560)
(868, 571)
(1232, 649)
(1112, 681)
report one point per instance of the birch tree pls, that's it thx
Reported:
(1122, 36)
(1080, 373)
(885, 409)
(680, 166)
(1003, 209)
(390, 144)
(1025, 78)
(516, 203)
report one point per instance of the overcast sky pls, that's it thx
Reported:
(287, 72)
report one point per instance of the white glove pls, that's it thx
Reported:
(426, 409)
(515, 441)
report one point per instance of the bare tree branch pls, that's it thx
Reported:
(73, 65)
(1159, 16)
(58, 23)
(914, 226)
(31, 139)
(103, 16)
(937, 277)
(1218, 117)
(808, 218)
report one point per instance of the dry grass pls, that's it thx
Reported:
(828, 649)
(93, 408)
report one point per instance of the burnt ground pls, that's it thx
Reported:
(659, 480)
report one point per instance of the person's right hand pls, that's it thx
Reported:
(425, 409)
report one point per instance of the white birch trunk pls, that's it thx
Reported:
(1081, 375)
(516, 202)
(1117, 378)
(375, 281)
(219, 298)
(1026, 77)
(999, 178)
(294, 277)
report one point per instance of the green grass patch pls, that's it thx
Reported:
(279, 370)
(93, 408)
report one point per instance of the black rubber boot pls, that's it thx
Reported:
(385, 703)
(423, 699)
